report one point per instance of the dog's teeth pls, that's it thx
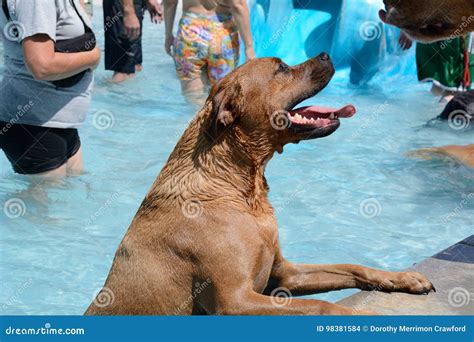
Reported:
(331, 116)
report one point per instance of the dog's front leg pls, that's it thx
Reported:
(252, 303)
(302, 279)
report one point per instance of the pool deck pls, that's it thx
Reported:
(452, 273)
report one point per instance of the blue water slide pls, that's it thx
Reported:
(359, 44)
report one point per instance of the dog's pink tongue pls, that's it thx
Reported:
(344, 112)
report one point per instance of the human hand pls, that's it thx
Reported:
(156, 11)
(404, 41)
(169, 45)
(132, 25)
(250, 54)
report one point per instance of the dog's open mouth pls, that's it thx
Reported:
(314, 119)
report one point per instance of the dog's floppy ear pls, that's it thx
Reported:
(224, 109)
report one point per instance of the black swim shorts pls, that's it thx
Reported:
(34, 149)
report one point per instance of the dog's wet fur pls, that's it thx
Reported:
(459, 113)
(430, 20)
(205, 238)
(459, 154)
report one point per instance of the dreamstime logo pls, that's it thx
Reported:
(280, 120)
(104, 298)
(367, 122)
(459, 120)
(370, 208)
(13, 299)
(287, 24)
(466, 21)
(280, 297)
(103, 119)
(14, 31)
(459, 297)
(198, 289)
(370, 30)
(192, 208)
(466, 198)
(14, 208)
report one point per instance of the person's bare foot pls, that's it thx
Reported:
(138, 68)
(120, 77)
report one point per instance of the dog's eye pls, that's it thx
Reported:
(283, 68)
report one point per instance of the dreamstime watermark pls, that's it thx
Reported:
(198, 289)
(280, 120)
(379, 288)
(14, 298)
(466, 198)
(365, 123)
(103, 208)
(14, 208)
(111, 21)
(14, 31)
(288, 22)
(192, 208)
(459, 297)
(370, 208)
(280, 297)
(466, 21)
(370, 30)
(103, 119)
(21, 111)
(459, 120)
(104, 297)
(288, 200)
(46, 330)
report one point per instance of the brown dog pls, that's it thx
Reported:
(430, 20)
(205, 239)
(460, 154)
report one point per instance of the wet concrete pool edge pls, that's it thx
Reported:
(452, 273)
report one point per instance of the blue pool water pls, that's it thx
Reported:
(353, 197)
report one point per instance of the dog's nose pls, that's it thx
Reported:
(324, 57)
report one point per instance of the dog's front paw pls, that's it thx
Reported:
(409, 282)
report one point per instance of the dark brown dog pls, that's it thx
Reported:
(205, 239)
(430, 20)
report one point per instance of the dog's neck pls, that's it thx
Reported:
(203, 169)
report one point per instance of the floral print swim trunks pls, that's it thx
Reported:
(207, 44)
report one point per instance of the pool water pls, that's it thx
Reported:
(353, 197)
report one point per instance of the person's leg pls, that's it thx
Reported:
(75, 160)
(224, 51)
(119, 52)
(75, 164)
(194, 91)
(190, 56)
(137, 45)
(56, 173)
(34, 150)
